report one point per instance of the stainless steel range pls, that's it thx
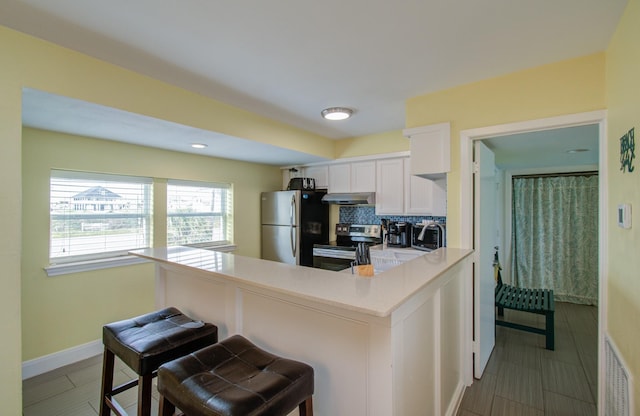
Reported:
(339, 255)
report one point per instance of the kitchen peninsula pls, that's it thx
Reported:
(393, 344)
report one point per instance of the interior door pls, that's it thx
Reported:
(485, 237)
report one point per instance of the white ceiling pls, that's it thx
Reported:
(68, 115)
(548, 150)
(289, 59)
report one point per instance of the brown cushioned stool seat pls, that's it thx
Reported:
(235, 378)
(144, 343)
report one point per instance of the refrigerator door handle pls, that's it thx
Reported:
(293, 229)
(293, 241)
(292, 211)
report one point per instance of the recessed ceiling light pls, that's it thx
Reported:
(577, 150)
(198, 145)
(336, 113)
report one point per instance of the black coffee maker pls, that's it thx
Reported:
(399, 234)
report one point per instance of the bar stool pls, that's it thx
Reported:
(235, 378)
(144, 343)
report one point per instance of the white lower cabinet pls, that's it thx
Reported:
(400, 193)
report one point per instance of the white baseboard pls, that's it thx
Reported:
(456, 400)
(59, 359)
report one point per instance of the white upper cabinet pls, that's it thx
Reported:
(398, 190)
(339, 178)
(390, 186)
(400, 193)
(320, 174)
(430, 150)
(416, 192)
(424, 196)
(363, 176)
(352, 177)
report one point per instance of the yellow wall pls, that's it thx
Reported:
(623, 102)
(566, 87)
(47, 67)
(10, 243)
(85, 301)
(572, 86)
(29, 62)
(387, 142)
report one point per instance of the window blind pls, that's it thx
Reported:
(95, 216)
(199, 213)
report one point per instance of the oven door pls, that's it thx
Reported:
(331, 259)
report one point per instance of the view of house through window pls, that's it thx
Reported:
(198, 213)
(97, 215)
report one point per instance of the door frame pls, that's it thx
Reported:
(599, 117)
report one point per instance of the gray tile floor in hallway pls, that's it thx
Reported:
(522, 378)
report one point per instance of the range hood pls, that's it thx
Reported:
(352, 198)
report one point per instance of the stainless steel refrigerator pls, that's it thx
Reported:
(292, 222)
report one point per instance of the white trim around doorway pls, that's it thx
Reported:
(598, 117)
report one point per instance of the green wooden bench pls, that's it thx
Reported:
(539, 301)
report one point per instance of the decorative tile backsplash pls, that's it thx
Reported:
(367, 215)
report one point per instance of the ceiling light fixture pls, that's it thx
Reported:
(337, 113)
(198, 145)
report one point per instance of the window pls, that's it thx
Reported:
(199, 213)
(95, 216)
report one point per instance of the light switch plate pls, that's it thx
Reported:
(624, 215)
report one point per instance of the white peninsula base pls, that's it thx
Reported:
(393, 344)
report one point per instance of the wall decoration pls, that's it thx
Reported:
(627, 151)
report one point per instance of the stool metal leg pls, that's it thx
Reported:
(107, 381)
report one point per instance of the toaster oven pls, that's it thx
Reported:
(428, 237)
(305, 184)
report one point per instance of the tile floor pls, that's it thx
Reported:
(522, 378)
(74, 390)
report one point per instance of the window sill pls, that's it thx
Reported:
(85, 266)
(226, 248)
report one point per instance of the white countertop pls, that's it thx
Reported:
(378, 295)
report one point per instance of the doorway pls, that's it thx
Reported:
(468, 137)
